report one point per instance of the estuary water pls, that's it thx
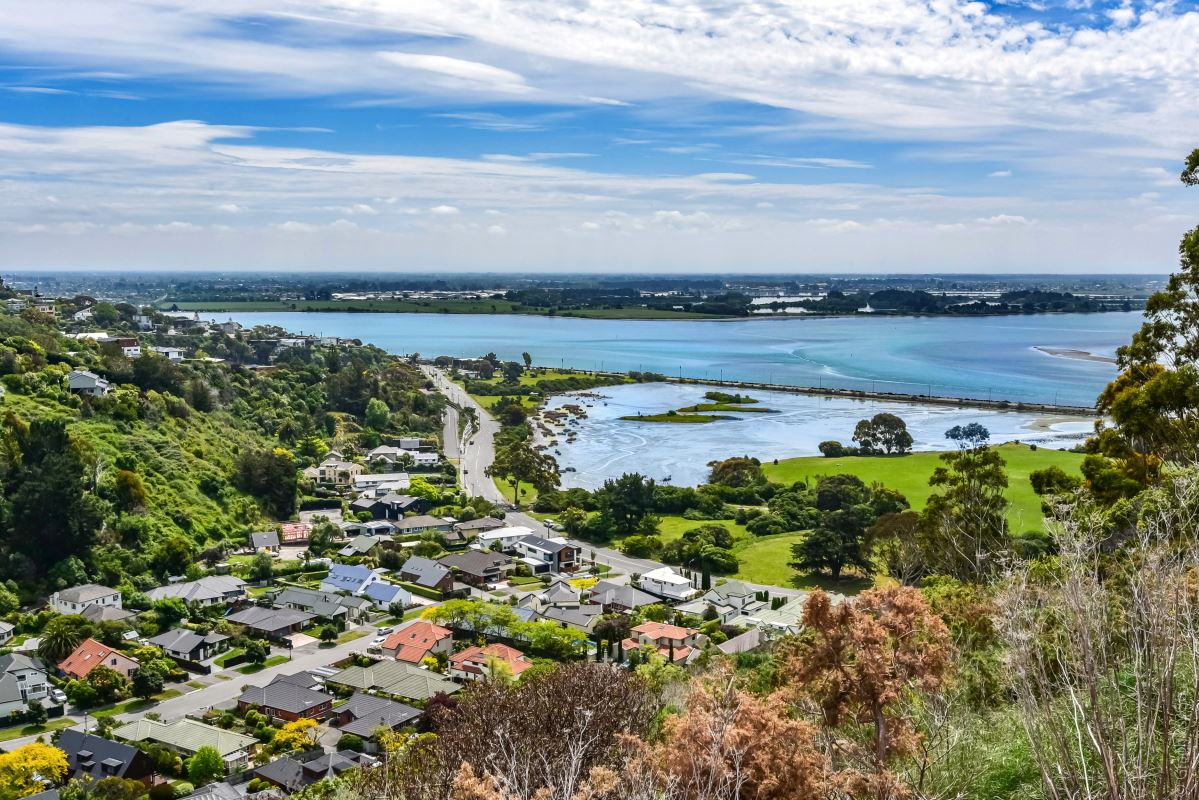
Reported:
(603, 446)
(1035, 358)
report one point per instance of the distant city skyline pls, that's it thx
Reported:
(812, 136)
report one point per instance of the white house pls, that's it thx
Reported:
(22, 678)
(169, 353)
(77, 599)
(394, 481)
(84, 382)
(350, 578)
(507, 537)
(83, 314)
(667, 583)
(388, 454)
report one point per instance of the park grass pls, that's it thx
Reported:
(272, 661)
(909, 475)
(20, 732)
(528, 494)
(135, 705)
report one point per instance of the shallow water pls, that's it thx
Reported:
(982, 357)
(606, 446)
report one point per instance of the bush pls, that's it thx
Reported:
(349, 741)
(183, 789)
(831, 449)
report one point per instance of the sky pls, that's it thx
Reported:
(597, 135)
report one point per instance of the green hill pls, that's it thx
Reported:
(909, 474)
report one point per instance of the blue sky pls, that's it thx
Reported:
(414, 135)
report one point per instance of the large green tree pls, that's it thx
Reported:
(517, 462)
(847, 508)
(626, 502)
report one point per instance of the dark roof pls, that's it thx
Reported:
(541, 543)
(475, 562)
(427, 572)
(284, 696)
(264, 539)
(214, 791)
(370, 712)
(185, 640)
(286, 772)
(88, 754)
(480, 524)
(269, 619)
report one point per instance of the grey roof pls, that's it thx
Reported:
(12, 662)
(475, 562)
(86, 753)
(264, 539)
(323, 604)
(6, 627)
(371, 712)
(348, 577)
(98, 613)
(214, 791)
(480, 524)
(542, 543)
(626, 595)
(561, 592)
(269, 619)
(580, 617)
(419, 521)
(397, 678)
(210, 587)
(185, 640)
(87, 593)
(284, 696)
(361, 545)
(387, 593)
(185, 734)
(286, 772)
(428, 572)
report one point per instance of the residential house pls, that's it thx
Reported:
(327, 605)
(91, 756)
(272, 623)
(474, 527)
(6, 632)
(675, 643)
(743, 643)
(221, 790)
(91, 654)
(427, 574)
(291, 774)
(363, 545)
(376, 527)
(398, 481)
(391, 506)
(211, 590)
(788, 617)
(423, 523)
(264, 541)
(668, 584)
(385, 595)
(562, 603)
(351, 578)
(95, 613)
(389, 454)
(22, 679)
(505, 537)
(186, 736)
(480, 568)
(338, 472)
(396, 678)
(183, 644)
(547, 555)
(287, 699)
(78, 598)
(172, 354)
(733, 602)
(127, 345)
(83, 314)
(81, 381)
(363, 714)
(417, 639)
(475, 663)
(620, 598)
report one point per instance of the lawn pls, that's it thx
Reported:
(909, 474)
(134, 705)
(224, 658)
(272, 661)
(528, 495)
(350, 636)
(16, 732)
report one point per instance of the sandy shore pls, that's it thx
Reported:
(1079, 355)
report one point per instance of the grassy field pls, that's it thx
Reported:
(433, 307)
(909, 474)
(21, 731)
(764, 559)
(677, 418)
(272, 661)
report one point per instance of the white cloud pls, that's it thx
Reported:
(1004, 219)
(1001, 173)
(471, 74)
(498, 230)
(443, 210)
(229, 208)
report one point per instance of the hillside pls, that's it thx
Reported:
(909, 474)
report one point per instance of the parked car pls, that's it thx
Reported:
(58, 696)
(385, 631)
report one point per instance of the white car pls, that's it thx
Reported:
(384, 631)
(58, 696)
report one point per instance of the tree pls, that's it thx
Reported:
(863, 660)
(296, 735)
(378, 415)
(35, 713)
(517, 462)
(883, 433)
(169, 611)
(108, 684)
(528, 359)
(893, 541)
(738, 471)
(262, 567)
(963, 528)
(626, 501)
(328, 634)
(174, 555)
(320, 541)
(62, 635)
(1054, 481)
(205, 766)
(571, 519)
(271, 476)
(847, 508)
(256, 652)
(23, 770)
(145, 682)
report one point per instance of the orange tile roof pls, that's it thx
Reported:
(413, 643)
(517, 661)
(680, 653)
(88, 654)
(660, 630)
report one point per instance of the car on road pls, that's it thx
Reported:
(551, 524)
(385, 631)
(58, 696)
(378, 640)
